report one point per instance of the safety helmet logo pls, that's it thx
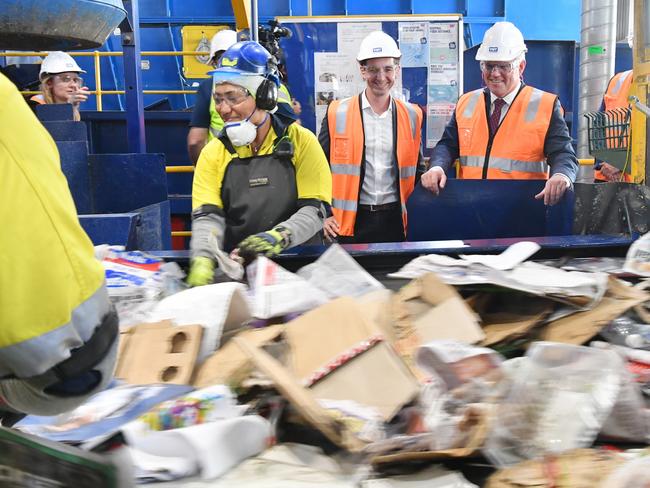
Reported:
(228, 62)
(376, 50)
(493, 49)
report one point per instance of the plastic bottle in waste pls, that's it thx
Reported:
(624, 331)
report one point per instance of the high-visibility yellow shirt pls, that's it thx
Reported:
(313, 177)
(51, 286)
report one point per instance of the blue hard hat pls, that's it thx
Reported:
(247, 58)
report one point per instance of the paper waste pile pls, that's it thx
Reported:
(485, 370)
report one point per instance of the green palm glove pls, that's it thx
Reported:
(269, 244)
(201, 271)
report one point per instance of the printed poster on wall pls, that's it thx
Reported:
(414, 44)
(444, 74)
(350, 34)
(336, 76)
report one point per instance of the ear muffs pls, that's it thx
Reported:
(266, 97)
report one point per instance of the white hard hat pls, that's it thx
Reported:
(501, 42)
(222, 40)
(378, 44)
(58, 62)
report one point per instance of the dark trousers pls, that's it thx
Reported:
(383, 225)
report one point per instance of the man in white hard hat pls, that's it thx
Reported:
(507, 130)
(61, 82)
(372, 141)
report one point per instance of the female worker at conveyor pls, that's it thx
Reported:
(61, 82)
(260, 186)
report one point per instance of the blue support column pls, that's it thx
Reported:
(135, 134)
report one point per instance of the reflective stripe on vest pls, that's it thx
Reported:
(346, 151)
(39, 98)
(26, 357)
(517, 149)
(618, 90)
(616, 96)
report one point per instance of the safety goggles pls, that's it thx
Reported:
(503, 68)
(374, 70)
(231, 98)
(70, 79)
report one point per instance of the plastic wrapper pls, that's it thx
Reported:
(624, 331)
(455, 362)
(136, 282)
(637, 260)
(201, 406)
(558, 401)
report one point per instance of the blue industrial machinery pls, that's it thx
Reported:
(121, 198)
(58, 24)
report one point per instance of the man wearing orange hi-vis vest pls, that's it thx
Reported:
(618, 89)
(508, 130)
(372, 141)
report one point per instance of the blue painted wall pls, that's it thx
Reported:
(162, 20)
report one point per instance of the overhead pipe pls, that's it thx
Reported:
(597, 56)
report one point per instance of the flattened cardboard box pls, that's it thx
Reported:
(230, 364)
(324, 340)
(426, 310)
(301, 398)
(159, 353)
(579, 327)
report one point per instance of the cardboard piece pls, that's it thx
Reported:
(302, 399)
(220, 308)
(229, 365)
(159, 353)
(509, 316)
(579, 327)
(325, 339)
(425, 310)
(580, 468)
(434, 310)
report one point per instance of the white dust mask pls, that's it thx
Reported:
(243, 132)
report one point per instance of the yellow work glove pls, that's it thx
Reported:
(201, 271)
(269, 244)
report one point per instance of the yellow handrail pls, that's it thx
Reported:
(180, 169)
(98, 92)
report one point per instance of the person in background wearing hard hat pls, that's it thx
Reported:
(206, 122)
(373, 144)
(508, 130)
(58, 330)
(616, 96)
(60, 82)
(261, 185)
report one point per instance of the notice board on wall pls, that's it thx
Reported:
(321, 63)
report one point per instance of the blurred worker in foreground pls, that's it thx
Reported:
(206, 123)
(616, 96)
(508, 130)
(260, 186)
(58, 330)
(373, 144)
(61, 83)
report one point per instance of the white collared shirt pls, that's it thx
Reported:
(508, 99)
(380, 181)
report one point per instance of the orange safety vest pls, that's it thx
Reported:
(346, 152)
(618, 89)
(38, 99)
(517, 148)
